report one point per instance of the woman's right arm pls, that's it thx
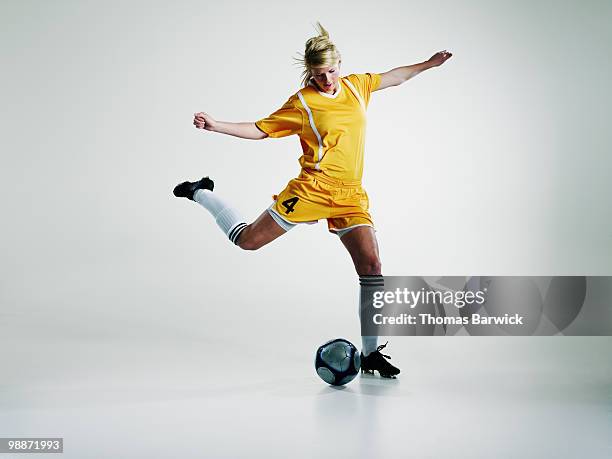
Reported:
(246, 130)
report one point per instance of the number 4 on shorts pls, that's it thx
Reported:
(289, 204)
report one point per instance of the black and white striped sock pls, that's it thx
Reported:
(236, 231)
(367, 286)
(226, 217)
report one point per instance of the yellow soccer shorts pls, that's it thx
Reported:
(313, 196)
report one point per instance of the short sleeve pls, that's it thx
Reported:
(366, 84)
(285, 121)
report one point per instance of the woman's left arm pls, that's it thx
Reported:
(399, 75)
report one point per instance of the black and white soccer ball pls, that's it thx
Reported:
(337, 362)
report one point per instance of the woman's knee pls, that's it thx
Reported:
(369, 266)
(248, 240)
(259, 233)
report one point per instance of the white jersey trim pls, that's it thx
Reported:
(356, 93)
(320, 155)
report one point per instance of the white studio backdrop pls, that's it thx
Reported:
(496, 163)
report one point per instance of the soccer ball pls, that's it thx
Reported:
(337, 362)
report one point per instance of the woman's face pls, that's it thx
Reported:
(326, 78)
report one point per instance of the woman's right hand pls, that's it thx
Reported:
(203, 120)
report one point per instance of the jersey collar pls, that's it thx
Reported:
(324, 94)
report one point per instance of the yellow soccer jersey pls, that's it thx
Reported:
(331, 127)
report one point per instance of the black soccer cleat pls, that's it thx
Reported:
(377, 361)
(187, 189)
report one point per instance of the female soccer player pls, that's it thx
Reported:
(329, 116)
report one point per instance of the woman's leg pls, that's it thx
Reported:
(260, 232)
(362, 246)
(248, 237)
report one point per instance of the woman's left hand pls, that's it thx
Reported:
(439, 58)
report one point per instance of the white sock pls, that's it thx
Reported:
(367, 285)
(227, 218)
(368, 344)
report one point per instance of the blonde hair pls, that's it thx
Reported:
(319, 52)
